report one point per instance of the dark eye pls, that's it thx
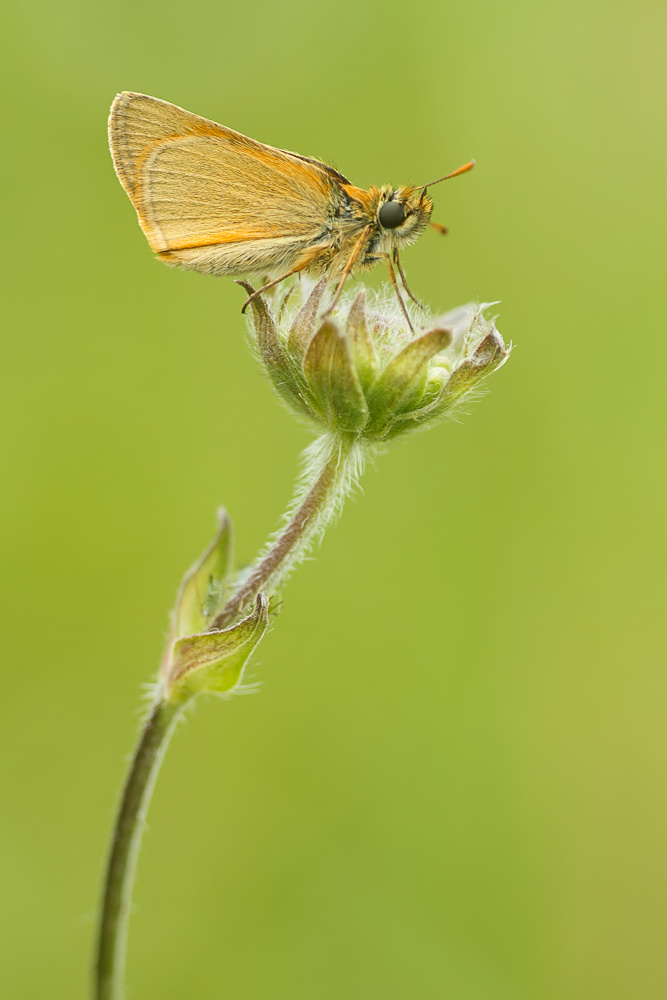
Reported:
(391, 215)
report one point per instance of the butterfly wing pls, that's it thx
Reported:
(212, 199)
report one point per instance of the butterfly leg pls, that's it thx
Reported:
(270, 284)
(392, 278)
(356, 250)
(403, 279)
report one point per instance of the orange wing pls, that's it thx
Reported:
(212, 199)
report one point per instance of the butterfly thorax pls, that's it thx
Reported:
(359, 214)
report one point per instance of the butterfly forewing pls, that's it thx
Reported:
(205, 189)
(196, 184)
(137, 121)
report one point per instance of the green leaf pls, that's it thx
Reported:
(201, 591)
(214, 661)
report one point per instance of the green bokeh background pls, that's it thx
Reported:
(452, 781)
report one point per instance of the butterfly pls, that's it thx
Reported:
(213, 200)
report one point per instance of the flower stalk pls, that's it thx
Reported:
(333, 466)
(121, 866)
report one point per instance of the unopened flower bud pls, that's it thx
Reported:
(362, 372)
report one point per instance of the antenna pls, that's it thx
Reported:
(455, 173)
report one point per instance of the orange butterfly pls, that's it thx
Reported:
(210, 199)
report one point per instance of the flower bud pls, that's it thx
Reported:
(362, 372)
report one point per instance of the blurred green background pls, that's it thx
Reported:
(452, 781)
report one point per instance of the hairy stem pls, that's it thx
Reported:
(115, 910)
(333, 466)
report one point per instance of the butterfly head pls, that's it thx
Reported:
(403, 213)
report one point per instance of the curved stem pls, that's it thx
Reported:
(115, 911)
(335, 470)
(333, 464)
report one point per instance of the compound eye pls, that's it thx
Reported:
(391, 215)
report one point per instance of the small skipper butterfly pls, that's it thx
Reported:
(210, 199)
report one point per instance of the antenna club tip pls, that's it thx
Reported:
(455, 173)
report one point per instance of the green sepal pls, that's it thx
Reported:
(401, 385)
(305, 322)
(282, 372)
(431, 407)
(214, 661)
(333, 380)
(363, 350)
(201, 592)
(489, 355)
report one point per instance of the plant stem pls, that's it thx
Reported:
(115, 911)
(333, 463)
(333, 466)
